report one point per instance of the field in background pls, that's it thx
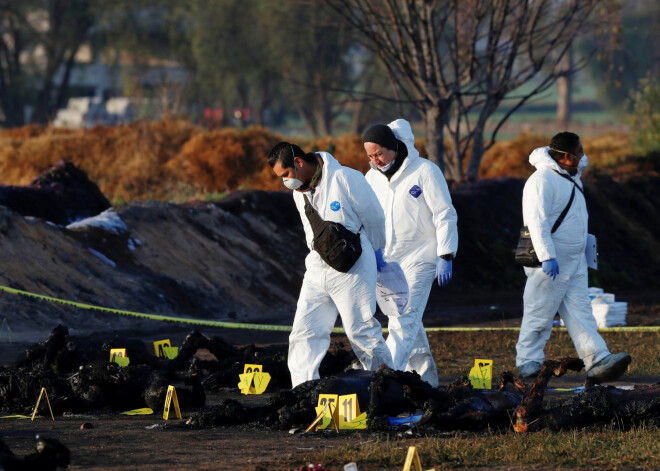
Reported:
(174, 160)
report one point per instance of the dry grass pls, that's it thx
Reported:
(609, 447)
(637, 448)
(500, 346)
(173, 160)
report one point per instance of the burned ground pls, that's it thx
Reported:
(217, 418)
(79, 380)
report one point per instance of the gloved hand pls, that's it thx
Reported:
(550, 268)
(443, 271)
(380, 263)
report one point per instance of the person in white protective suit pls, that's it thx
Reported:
(560, 283)
(338, 194)
(421, 234)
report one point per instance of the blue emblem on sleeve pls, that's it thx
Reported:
(415, 191)
(335, 206)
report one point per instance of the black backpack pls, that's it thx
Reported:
(337, 246)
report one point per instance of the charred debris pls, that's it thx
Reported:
(79, 378)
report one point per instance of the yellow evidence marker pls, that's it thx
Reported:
(43, 393)
(413, 458)
(481, 374)
(171, 352)
(164, 349)
(349, 413)
(118, 355)
(143, 411)
(171, 397)
(253, 380)
(160, 345)
(327, 413)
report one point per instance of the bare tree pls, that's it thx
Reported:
(39, 40)
(565, 92)
(457, 60)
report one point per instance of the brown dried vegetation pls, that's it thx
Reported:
(175, 160)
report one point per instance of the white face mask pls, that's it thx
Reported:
(382, 169)
(583, 163)
(292, 183)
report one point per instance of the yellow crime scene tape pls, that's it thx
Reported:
(272, 327)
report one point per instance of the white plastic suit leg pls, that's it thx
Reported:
(324, 293)
(568, 295)
(407, 339)
(580, 322)
(354, 294)
(310, 336)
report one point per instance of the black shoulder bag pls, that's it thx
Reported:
(337, 246)
(525, 253)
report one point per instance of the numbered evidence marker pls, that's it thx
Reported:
(43, 393)
(118, 355)
(481, 374)
(253, 380)
(171, 397)
(343, 411)
(326, 413)
(349, 413)
(413, 458)
(164, 348)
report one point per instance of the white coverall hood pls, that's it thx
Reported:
(420, 225)
(545, 196)
(342, 196)
(541, 158)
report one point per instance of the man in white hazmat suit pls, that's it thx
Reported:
(560, 284)
(338, 194)
(421, 234)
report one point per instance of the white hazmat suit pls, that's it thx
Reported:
(342, 195)
(420, 225)
(545, 196)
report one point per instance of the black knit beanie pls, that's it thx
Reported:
(381, 135)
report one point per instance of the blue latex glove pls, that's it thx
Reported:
(380, 263)
(443, 271)
(550, 268)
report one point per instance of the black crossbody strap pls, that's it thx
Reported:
(563, 214)
(570, 180)
(314, 218)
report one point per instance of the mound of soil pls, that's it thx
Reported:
(242, 258)
(61, 195)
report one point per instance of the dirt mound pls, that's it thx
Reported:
(242, 258)
(235, 260)
(61, 195)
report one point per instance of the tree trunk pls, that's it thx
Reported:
(453, 164)
(356, 124)
(435, 143)
(477, 152)
(43, 102)
(565, 91)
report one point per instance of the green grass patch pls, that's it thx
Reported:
(604, 447)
